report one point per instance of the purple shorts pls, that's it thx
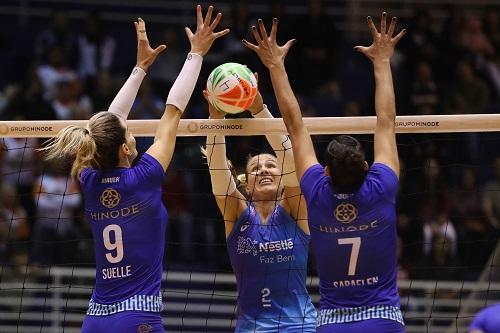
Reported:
(369, 325)
(124, 322)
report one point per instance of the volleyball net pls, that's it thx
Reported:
(448, 210)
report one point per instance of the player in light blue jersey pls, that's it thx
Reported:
(266, 232)
(351, 206)
(123, 201)
(487, 320)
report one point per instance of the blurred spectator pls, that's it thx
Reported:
(492, 26)
(467, 94)
(105, 92)
(439, 225)
(473, 39)
(165, 69)
(57, 197)
(54, 71)
(177, 199)
(424, 95)
(96, 51)
(440, 263)
(421, 43)
(14, 226)
(430, 190)
(491, 197)
(59, 35)
(69, 102)
(316, 55)
(147, 105)
(475, 232)
(27, 104)
(19, 168)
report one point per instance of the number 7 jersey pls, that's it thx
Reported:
(128, 220)
(354, 241)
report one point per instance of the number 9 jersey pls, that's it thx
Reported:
(128, 220)
(354, 241)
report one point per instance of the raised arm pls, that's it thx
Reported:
(182, 89)
(146, 56)
(273, 57)
(380, 53)
(293, 200)
(230, 201)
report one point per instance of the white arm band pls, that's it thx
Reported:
(123, 101)
(222, 180)
(183, 87)
(282, 147)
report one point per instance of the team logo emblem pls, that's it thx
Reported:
(144, 328)
(246, 246)
(346, 213)
(110, 198)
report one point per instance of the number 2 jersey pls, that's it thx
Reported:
(128, 221)
(354, 242)
(270, 264)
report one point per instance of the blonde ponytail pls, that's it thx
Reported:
(72, 142)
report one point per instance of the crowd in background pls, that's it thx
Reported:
(449, 202)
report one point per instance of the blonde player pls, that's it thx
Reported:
(123, 202)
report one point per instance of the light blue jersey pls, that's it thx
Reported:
(128, 220)
(270, 263)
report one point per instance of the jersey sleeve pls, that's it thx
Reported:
(383, 181)
(312, 182)
(84, 176)
(149, 170)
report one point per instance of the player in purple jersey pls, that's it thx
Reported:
(487, 320)
(351, 206)
(266, 232)
(123, 201)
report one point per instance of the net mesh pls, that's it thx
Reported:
(448, 213)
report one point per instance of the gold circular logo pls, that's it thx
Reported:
(4, 129)
(346, 213)
(192, 127)
(110, 198)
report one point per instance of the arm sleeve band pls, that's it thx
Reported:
(282, 147)
(123, 101)
(183, 87)
(222, 180)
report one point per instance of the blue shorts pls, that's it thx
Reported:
(124, 322)
(365, 326)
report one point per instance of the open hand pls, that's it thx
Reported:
(268, 50)
(203, 38)
(145, 54)
(383, 44)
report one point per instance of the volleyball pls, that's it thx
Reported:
(231, 87)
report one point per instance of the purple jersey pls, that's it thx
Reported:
(354, 242)
(270, 264)
(487, 320)
(128, 222)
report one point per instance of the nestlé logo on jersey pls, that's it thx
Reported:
(247, 245)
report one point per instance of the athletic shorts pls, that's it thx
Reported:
(365, 326)
(124, 322)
